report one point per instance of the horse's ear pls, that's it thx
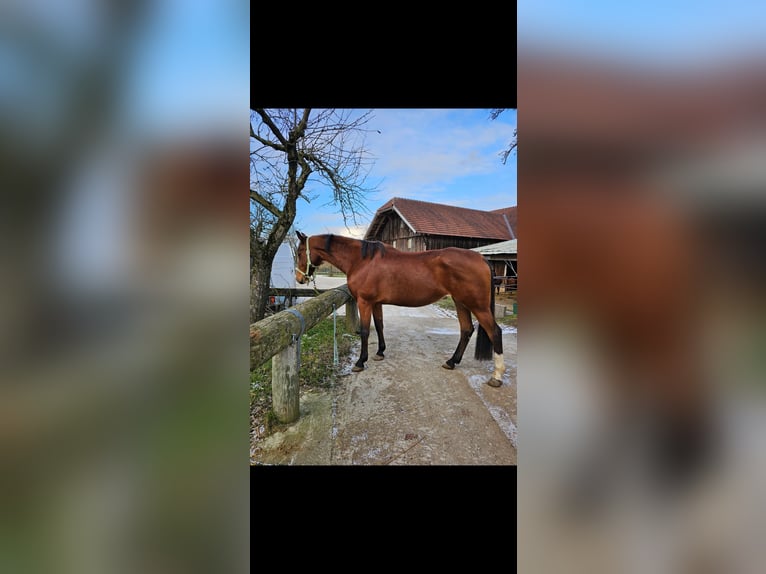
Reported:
(301, 237)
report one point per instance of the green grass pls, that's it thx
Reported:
(446, 302)
(317, 369)
(260, 382)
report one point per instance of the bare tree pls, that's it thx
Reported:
(289, 148)
(493, 115)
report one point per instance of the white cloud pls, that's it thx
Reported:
(420, 148)
(448, 156)
(355, 231)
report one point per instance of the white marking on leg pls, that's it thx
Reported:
(499, 366)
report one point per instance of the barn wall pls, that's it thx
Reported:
(395, 232)
(409, 242)
(442, 241)
(393, 228)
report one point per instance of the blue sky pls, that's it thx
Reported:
(445, 156)
(659, 33)
(186, 67)
(190, 71)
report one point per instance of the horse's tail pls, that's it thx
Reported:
(483, 342)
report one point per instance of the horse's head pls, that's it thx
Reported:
(306, 262)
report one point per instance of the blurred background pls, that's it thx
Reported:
(123, 154)
(642, 338)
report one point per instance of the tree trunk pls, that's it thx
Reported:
(260, 282)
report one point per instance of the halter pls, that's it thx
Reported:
(308, 271)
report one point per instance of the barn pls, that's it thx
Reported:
(413, 225)
(504, 259)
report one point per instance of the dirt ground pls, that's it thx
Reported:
(407, 409)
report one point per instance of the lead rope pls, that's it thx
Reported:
(334, 430)
(308, 267)
(334, 339)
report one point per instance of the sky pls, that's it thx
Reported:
(447, 156)
(653, 32)
(188, 63)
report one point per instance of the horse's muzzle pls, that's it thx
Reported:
(301, 276)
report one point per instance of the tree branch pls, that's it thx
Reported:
(305, 172)
(273, 209)
(274, 129)
(495, 112)
(512, 146)
(268, 143)
(301, 127)
(326, 169)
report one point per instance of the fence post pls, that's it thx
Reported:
(279, 336)
(352, 316)
(285, 367)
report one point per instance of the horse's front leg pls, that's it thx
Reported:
(377, 315)
(365, 313)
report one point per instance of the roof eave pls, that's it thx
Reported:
(400, 214)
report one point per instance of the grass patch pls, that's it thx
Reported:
(510, 320)
(446, 302)
(317, 370)
(260, 382)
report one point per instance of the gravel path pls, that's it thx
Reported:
(407, 409)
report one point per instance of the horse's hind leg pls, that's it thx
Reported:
(494, 337)
(466, 330)
(377, 315)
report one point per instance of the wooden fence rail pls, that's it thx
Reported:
(298, 292)
(279, 337)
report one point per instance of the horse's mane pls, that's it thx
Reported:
(369, 248)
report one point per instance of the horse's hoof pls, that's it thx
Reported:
(448, 366)
(493, 382)
(378, 357)
(356, 369)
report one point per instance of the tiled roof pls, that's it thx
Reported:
(438, 219)
(510, 215)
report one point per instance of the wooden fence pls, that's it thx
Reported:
(279, 337)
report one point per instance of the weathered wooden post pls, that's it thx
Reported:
(285, 382)
(352, 316)
(279, 336)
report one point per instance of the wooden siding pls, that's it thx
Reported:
(441, 241)
(415, 242)
(393, 228)
(397, 233)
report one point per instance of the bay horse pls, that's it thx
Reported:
(378, 274)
